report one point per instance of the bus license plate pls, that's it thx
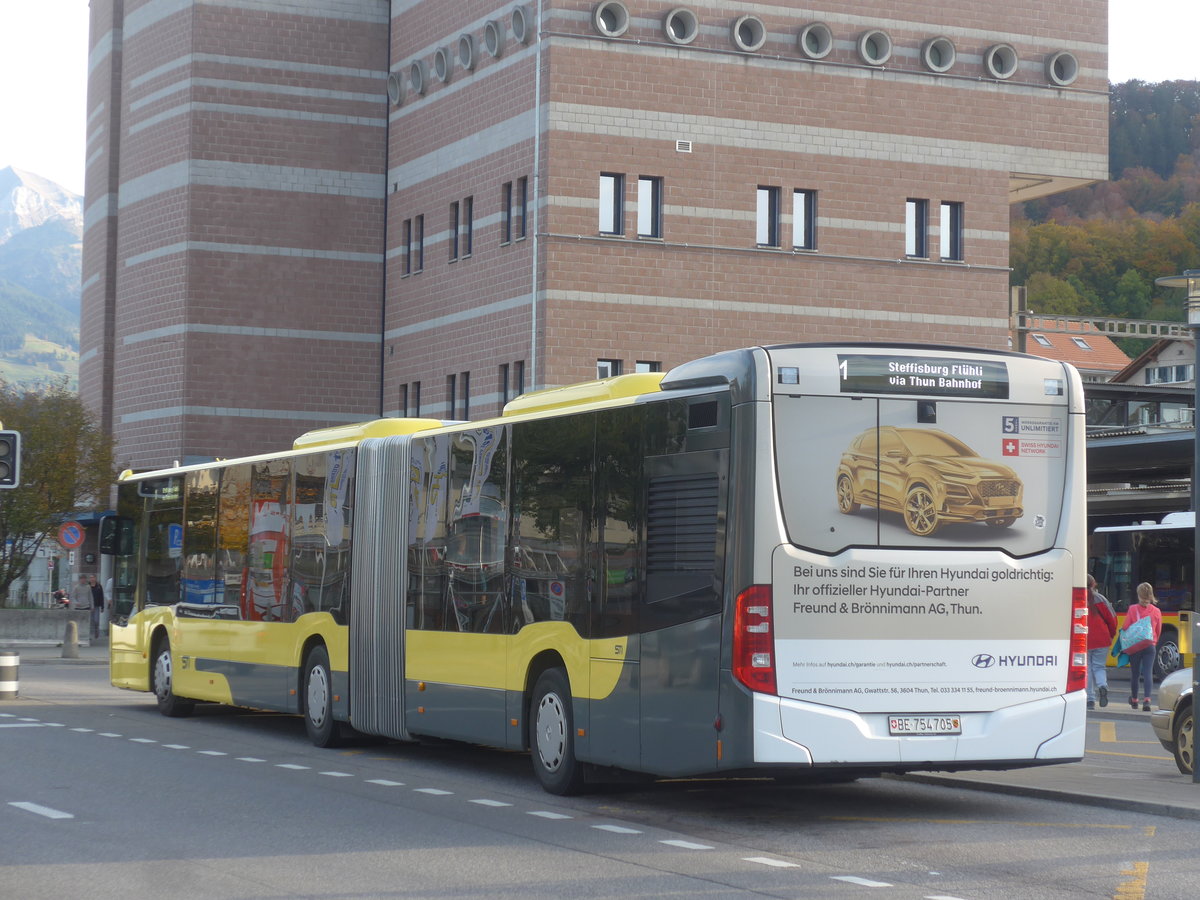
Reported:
(924, 725)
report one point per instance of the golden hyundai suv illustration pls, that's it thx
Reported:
(927, 476)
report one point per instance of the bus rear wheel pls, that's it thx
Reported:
(322, 730)
(1167, 657)
(162, 683)
(552, 735)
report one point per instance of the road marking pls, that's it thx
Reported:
(616, 829)
(106, 734)
(861, 882)
(143, 741)
(543, 814)
(491, 803)
(1135, 887)
(291, 766)
(891, 819)
(337, 774)
(767, 861)
(1108, 732)
(250, 759)
(19, 725)
(1129, 755)
(435, 791)
(177, 746)
(212, 753)
(942, 897)
(42, 810)
(54, 725)
(686, 845)
(83, 730)
(385, 782)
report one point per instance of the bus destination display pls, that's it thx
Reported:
(933, 376)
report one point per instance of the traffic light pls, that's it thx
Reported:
(10, 459)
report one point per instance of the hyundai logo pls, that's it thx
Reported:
(983, 661)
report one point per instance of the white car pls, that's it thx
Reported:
(1173, 722)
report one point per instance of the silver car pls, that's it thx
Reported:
(1173, 723)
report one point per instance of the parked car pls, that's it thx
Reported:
(1173, 722)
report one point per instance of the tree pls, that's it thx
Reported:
(66, 465)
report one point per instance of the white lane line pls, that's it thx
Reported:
(942, 897)
(544, 814)
(20, 725)
(686, 845)
(861, 882)
(107, 734)
(250, 759)
(143, 741)
(83, 730)
(55, 725)
(435, 791)
(767, 861)
(292, 766)
(385, 783)
(43, 810)
(211, 753)
(177, 746)
(616, 829)
(27, 719)
(338, 774)
(491, 803)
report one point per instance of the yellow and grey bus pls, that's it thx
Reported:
(807, 561)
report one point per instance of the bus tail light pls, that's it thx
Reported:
(1077, 665)
(754, 640)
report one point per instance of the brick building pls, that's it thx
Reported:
(298, 217)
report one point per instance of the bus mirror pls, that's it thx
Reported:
(116, 536)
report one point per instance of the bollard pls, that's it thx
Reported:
(10, 675)
(71, 641)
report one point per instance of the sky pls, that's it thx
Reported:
(43, 72)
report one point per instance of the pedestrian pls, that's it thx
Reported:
(97, 605)
(81, 594)
(1141, 655)
(1102, 628)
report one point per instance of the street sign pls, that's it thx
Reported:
(70, 535)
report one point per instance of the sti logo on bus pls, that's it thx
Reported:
(983, 661)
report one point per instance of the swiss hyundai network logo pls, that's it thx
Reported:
(983, 661)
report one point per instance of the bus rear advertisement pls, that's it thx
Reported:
(811, 561)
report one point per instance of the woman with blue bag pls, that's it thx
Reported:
(1138, 641)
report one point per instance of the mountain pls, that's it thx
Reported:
(41, 229)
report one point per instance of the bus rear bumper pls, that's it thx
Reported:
(800, 733)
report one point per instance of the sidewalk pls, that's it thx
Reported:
(1139, 781)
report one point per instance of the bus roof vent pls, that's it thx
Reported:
(346, 434)
(619, 387)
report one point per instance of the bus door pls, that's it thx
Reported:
(680, 616)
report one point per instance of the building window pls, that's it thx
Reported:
(453, 231)
(804, 220)
(1081, 343)
(506, 212)
(419, 243)
(464, 386)
(649, 207)
(612, 203)
(403, 400)
(468, 226)
(951, 231)
(647, 366)
(415, 394)
(1041, 339)
(452, 396)
(916, 228)
(1169, 374)
(768, 217)
(408, 247)
(607, 368)
(518, 378)
(505, 396)
(521, 201)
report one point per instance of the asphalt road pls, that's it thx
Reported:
(100, 796)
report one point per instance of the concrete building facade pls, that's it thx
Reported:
(303, 214)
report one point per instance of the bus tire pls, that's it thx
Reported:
(1167, 657)
(162, 683)
(322, 730)
(920, 511)
(552, 735)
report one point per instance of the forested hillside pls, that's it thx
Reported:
(1097, 250)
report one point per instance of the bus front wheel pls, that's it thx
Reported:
(322, 730)
(552, 735)
(162, 683)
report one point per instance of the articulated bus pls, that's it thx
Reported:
(810, 561)
(1161, 554)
